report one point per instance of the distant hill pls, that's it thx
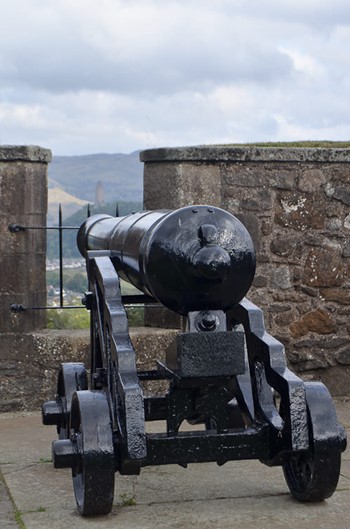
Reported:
(121, 176)
(70, 204)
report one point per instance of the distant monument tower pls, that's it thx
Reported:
(99, 194)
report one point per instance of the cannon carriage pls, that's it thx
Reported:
(223, 371)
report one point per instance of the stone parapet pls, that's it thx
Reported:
(295, 203)
(23, 196)
(220, 153)
(30, 361)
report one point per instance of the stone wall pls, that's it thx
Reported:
(295, 203)
(30, 361)
(23, 201)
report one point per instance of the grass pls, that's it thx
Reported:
(308, 144)
(45, 460)
(127, 501)
(16, 512)
(18, 519)
(39, 509)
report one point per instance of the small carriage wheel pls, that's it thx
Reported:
(71, 377)
(313, 475)
(94, 469)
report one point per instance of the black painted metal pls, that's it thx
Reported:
(225, 372)
(208, 251)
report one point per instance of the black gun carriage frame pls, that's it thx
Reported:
(225, 372)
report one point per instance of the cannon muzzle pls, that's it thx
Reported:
(193, 258)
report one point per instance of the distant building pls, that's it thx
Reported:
(99, 194)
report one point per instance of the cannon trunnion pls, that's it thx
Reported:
(224, 371)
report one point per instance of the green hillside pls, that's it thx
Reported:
(307, 144)
(121, 176)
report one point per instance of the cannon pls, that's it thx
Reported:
(225, 376)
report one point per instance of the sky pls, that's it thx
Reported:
(91, 76)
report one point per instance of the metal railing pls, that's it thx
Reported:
(130, 299)
(16, 228)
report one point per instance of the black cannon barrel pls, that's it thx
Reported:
(193, 258)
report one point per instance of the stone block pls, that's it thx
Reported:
(173, 186)
(41, 353)
(318, 321)
(255, 174)
(23, 188)
(243, 175)
(23, 195)
(284, 246)
(341, 295)
(23, 321)
(22, 242)
(311, 180)
(258, 200)
(342, 194)
(323, 268)
(300, 211)
(343, 356)
(251, 222)
(27, 273)
(280, 278)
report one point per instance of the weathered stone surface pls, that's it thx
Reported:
(333, 224)
(22, 242)
(331, 342)
(312, 292)
(323, 268)
(299, 211)
(27, 273)
(266, 227)
(28, 153)
(41, 353)
(307, 360)
(260, 281)
(259, 200)
(27, 180)
(23, 195)
(285, 319)
(341, 296)
(289, 295)
(171, 187)
(258, 175)
(280, 278)
(343, 356)
(342, 194)
(346, 249)
(24, 321)
(218, 153)
(318, 321)
(347, 222)
(311, 180)
(243, 175)
(251, 222)
(336, 378)
(284, 245)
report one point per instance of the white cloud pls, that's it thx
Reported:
(118, 75)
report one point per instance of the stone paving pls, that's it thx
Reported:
(243, 494)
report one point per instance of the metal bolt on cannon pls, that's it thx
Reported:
(224, 372)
